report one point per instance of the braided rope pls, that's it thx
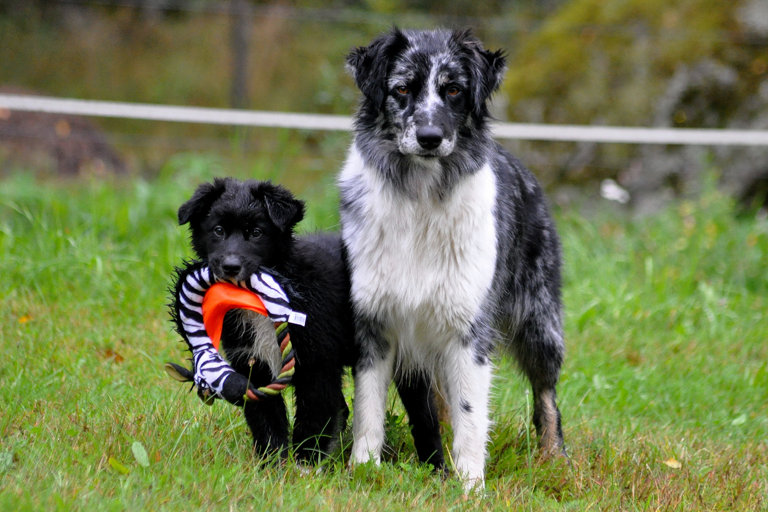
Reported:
(286, 372)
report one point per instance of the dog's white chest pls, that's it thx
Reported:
(423, 265)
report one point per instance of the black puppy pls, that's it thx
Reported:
(239, 228)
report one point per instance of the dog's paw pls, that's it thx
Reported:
(308, 470)
(361, 454)
(471, 472)
(474, 486)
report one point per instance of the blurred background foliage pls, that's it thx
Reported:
(679, 63)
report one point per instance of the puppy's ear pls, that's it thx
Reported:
(486, 67)
(283, 209)
(201, 201)
(369, 65)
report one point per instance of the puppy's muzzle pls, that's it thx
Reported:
(231, 266)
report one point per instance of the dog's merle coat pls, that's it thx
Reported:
(450, 246)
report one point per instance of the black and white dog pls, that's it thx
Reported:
(450, 244)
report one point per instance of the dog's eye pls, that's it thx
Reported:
(218, 231)
(255, 233)
(452, 90)
(401, 90)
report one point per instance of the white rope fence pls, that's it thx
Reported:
(176, 114)
(518, 131)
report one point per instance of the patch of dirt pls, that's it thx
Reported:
(64, 144)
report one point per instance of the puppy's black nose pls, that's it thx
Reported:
(231, 266)
(429, 137)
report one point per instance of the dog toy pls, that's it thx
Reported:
(201, 303)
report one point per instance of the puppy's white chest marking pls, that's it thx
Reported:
(423, 265)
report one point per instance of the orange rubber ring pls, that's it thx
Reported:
(220, 298)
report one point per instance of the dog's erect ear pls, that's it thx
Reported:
(285, 210)
(200, 203)
(487, 68)
(369, 64)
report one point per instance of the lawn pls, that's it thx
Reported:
(664, 393)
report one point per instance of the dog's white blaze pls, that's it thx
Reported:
(424, 267)
(428, 104)
(433, 101)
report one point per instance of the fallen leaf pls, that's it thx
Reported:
(24, 319)
(118, 466)
(140, 454)
(673, 463)
(114, 356)
(740, 420)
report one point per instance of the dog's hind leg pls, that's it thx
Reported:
(417, 394)
(546, 419)
(539, 349)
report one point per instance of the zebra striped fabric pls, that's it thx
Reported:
(211, 371)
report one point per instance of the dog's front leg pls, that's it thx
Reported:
(466, 381)
(372, 377)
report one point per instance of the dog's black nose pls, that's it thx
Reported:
(429, 137)
(231, 266)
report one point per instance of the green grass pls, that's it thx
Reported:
(666, 362)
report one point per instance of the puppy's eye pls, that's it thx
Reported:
(255, 233)
(452, 90)
(218, 231)
(401, 90)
